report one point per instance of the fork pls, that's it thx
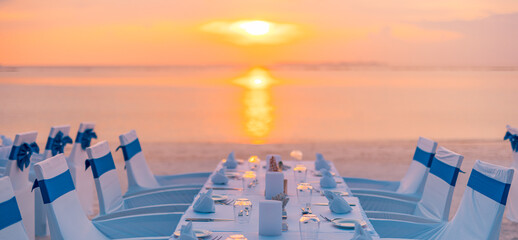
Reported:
(216, 237)
(328, 219)
(226, 202)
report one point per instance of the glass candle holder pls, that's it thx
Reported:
(236, 237)
(249, 181)
(254, 163)
(309, 225)
(304, 192)
(242, 210)
(300, 173)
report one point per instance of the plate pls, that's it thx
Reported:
(219, 198)
(348, 223)
(233, 175)
(319, 174)
(200, 233)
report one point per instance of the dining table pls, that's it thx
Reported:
(221, 223)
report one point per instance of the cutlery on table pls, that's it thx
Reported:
(327, 204)
(224, 188)
(208, 219)
(225, 202)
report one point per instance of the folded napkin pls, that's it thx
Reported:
(186, 232)
(219, 177)
(6, 141)
(231, 162)
(337, 203)
(327, 180)
(204, 204)
(321, 163)
(359, 233)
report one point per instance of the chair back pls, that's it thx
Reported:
(482, 207)
(414, 180)
(139, 174)
(67, 219)
(11, 224)
(52, 141)
(17, 170)
(106, 179)
(440, 184)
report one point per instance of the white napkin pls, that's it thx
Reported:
(186, 232)
(204, 204)
(219, 177)
(321, 163)
(231, 162)
(359, 233)
(327, 180)
(337, 203)
(6, 141)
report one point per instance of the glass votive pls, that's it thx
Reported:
(300, 173)
(254, 163)
(297, 154)
(249, 181)
(309, 225)
(304, 192)
(242, 210)
(236, 237)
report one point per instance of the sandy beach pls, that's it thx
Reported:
(370, 159)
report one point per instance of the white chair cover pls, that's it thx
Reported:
(110, 194)
(140, 177)
(67, 219)
(20, 181)
(512, 204)
(479, 215)
(436, 201)
(40, 213)
(11, 224)
(411, 185)
(83, 180)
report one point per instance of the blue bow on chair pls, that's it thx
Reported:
(513, 139)
(58, 143)
(23, 157)
(86, 138)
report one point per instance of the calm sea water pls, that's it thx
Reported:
(260, 105)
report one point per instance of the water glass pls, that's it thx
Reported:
(304, 192)
(309, 224)
(300, 173)
(249, 181)
(242, 210)
(254, 163)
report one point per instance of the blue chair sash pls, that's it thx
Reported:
(22, 154)
(9, 213)
(489, 187)
(513, 139)
(57, 144)
(444, 171)
(85, 138)
(100, 165)
(53, 188)
(423, 157)
(129, 150)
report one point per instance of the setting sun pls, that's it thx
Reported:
(256, 27)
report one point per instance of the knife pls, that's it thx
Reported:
(208, 219)
(327, 204)
(224, 188)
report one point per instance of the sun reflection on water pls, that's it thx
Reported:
(258, 110)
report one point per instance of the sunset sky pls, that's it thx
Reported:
(163, 32)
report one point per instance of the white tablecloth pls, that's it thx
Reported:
(293, 209)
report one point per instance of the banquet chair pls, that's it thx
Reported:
(435, 204)
(11, 224)
(83, 180)
(109, 192)
(479, 215)
(56, 142)
(411, 186)
(512, 206)
(140, 177)
(17, 169)
(67, 219)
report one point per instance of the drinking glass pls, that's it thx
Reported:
(300, 173)
(249, 181)
(254, 163)
(242, 210)
(304, 192)
(309, 224)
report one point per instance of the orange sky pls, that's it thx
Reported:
(162, 32)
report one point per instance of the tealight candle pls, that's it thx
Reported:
(254, 163)
(249, 181)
